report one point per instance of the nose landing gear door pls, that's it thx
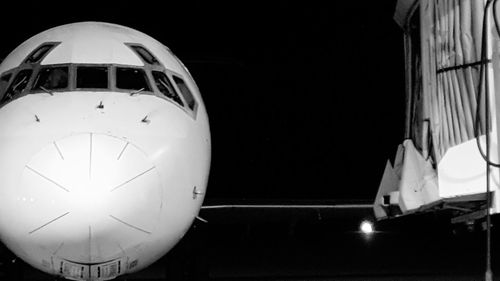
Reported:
(108, 270)
(71, 270)
(96, 272)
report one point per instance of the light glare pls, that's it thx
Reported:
(366, 227)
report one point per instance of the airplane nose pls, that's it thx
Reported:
(90, 196)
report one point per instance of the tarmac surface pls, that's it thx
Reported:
(313, 247)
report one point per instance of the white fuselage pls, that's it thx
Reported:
(98, 183)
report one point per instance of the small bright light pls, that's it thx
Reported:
(366, 227)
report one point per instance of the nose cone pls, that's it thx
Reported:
(90, 197)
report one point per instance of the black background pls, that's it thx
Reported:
(305, 99)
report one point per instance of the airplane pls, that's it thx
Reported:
(105, 146)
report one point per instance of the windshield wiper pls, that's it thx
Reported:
(136, 92)
(47, 91)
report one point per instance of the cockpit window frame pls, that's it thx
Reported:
(4, 89)
(41, 68)
(50, 46)
(74, 78)
(5, 95)
(183, 94)
(36, 72)
(35, 65)
(146, 76)
(138, 49)
(175, 94)
(6, 81)
(149, 67)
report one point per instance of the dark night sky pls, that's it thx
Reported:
(306, 100)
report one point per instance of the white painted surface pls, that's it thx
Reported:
(462, 171)
(65, 195)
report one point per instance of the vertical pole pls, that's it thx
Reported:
(490, 112)
(488, 274)
(409, 69)
(408, 78)
(426, 47)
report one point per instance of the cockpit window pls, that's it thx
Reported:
(163, 84)
(4, 81)
(38, 54)
(145, 55)
(131, 79)
(186, 93)
(52, 78)
(92, 77)
(17, 86)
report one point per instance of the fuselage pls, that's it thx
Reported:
(105, 151)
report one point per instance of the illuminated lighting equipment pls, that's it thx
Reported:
(366, 227)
